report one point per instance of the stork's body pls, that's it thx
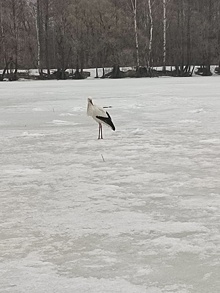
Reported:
(100, 116)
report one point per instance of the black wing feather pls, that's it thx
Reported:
(107, 120)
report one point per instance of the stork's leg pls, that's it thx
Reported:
(101, 131)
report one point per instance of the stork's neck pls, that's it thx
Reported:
(89, 108)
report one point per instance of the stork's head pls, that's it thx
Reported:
(90, 101)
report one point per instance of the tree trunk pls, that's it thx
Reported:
(47, 37)
(13, 71)
(103, 72)
(164, 34)
(134, 11)
(96, 73)
(151, 35)
(218, 37)
(39, 37)
(180, 47)
(2, 41)
(188, 46)
(182, 33)
(210, 16)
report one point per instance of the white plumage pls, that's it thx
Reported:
(100, 116)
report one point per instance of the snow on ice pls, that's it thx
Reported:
(137, 212)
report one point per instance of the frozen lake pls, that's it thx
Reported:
(137, 212)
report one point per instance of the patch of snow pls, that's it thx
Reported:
(135, 212)
(211, 141)
(66, 114)
(197, 111)
(38, 109)
(189, 121)
(62, 122)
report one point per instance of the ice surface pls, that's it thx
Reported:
(137, 212)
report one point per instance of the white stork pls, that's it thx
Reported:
(100, 116)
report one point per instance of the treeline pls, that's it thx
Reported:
(61, 34)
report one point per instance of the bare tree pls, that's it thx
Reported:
(14, 58)
(151, 34)
(39, 30)
(2, 42)
(164, 34)
(62, 23)
(218, 32)
(46, 28)
(134, 12)
(209, 35)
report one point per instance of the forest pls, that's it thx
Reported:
(55, 35)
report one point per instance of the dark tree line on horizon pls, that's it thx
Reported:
(79, 34)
